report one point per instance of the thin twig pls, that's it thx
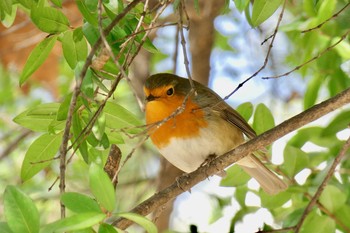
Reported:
(312, 59)
(65, 138)
(273, 36)
(149, 29)
(320, 189)
(183, 42)
(129, 156)
(138, 28)
(14, 144)
(176, 51)
(53, 184)
(160, 11)
(327, 20)
(186, 182)
(116, 81)
(45, 160)
(326, 211)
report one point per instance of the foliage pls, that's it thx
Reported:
(96, 119)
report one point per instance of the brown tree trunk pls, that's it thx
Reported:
(201, 38)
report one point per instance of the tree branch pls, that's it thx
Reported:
(327, 20)
(320, 189)
(313, 58)
(273, 36)
(187, 181)
(65, 138)
(14, 144)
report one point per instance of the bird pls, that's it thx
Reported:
(188, 127)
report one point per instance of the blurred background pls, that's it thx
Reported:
(224, 49)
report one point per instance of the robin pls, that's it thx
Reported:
(207, 126)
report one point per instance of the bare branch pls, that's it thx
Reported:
(320, 189)
(183, 41)
(14, 144)
(312, 59)
(327, 20)
(176, 52)
(112, 165)
(65, 138)
(273, 36)
(117, 79)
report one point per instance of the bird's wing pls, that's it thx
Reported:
(232, 116)
(224, 110)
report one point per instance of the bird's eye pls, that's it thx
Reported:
(170, 91)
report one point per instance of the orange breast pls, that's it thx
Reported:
(184, 125)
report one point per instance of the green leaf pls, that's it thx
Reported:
(87, 86)
(240, 194)
(38, 118)
(90, 17)
(118, 117)
(5, 228)
(246, 110)
(91, 5)
(40, 154)
(235, 177)
(263, 119)
(80, 203)
(339, 123)
(49, 19)
(74, 223)
(57, 3)
(37, 57)
(312, 91)
(343, 48)
(20, 211)
(149, 46)
(7, 20)
(263, 9)
(274, 201)
(117, 33)
(62, 111)
(310, 7)
(5, 8)
(293, 218)
(241, 5)
(247, 15)
(74, 47)
(91, 33)
(106, 228)
(56, 127)
(305, 135)
(332, 198)
(27, 3)
(315, 223)
(241, 214)
(141, 220)
(326, 10)
(81, 143)
(343, 214)
(114, 137)
(102, 187)
(295, 160)
(99, 83)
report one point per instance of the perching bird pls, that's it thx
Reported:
(207, 126)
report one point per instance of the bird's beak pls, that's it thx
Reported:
(150, 98)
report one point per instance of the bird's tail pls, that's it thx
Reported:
(268, 180)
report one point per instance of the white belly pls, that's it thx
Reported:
(189, 153)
